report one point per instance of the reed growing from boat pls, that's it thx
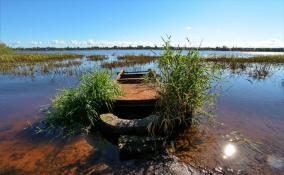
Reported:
(184, 89)
(77, 110)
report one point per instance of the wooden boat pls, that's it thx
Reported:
(138, 99)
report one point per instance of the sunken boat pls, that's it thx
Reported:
(132, 110)
(139, 97)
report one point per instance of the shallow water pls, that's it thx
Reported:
(252, 106)
(251, 116)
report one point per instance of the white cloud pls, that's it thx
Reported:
(36, 43)
(188, 28)
(58, 42)
(271, 43)
(15, 44)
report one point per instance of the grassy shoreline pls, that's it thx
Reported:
(253, 59)
(131, 60)
(30, 63)
(35, 57)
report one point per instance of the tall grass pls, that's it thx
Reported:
(78, 109)
(4, 49)
(185, 85)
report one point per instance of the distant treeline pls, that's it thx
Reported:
(155, 48)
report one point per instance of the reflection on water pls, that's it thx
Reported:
(251, 102)
(229, 150)
(275, 161)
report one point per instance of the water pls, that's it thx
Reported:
(113, 52)
(252, 106)
(251, 114)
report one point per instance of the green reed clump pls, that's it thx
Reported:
(96, 57)
(4, 49)
(185, 82)
(78, 109)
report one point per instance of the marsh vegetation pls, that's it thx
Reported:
(249, 80)
(253, 59)
(130, 60)
(96, 57)
(77, 110)
(31, 63)
(233, 61)
(184, 88)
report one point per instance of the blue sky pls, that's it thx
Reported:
(60, 23)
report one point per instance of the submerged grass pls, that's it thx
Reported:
(51, 66)
(233, 61)
(77, 110)
(130, 60)
(116, 64)
(96, 57)
(139, 59)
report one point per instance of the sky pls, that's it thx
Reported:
(86, 23)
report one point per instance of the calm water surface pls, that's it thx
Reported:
(249, 135)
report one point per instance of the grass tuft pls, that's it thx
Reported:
(184, 83)
(77, 110)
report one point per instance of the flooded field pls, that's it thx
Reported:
(248, 137)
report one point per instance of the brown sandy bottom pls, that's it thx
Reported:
(22, 152)
(197, 150)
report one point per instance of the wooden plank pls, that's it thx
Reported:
(138, 92)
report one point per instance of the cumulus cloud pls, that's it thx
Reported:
(36, 43)
(15, 44)
(57, 42)
(271, 43)
(188, 28)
